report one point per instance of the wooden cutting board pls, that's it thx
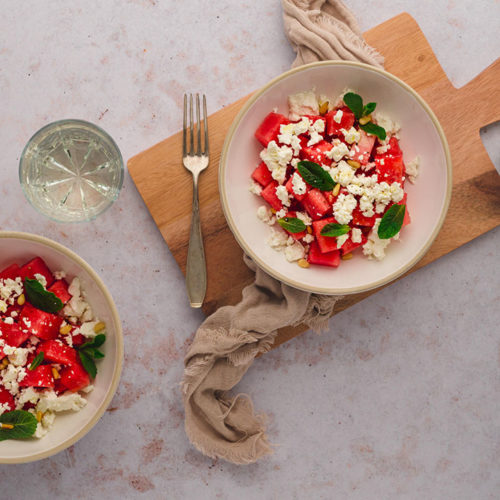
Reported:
(166, 188)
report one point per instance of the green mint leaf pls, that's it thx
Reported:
(24, 424)
(292, 224)
(335, 229)
(371, 128)
(315, 175)
(369, 108)
(391, 222)
(88, 363)
(97, 341)
(355, 103)
(93, 352)
(37, 361)
(41, 298)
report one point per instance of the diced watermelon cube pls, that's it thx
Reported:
(269, 194)
(74, 377)
(325, 243)
(7, 399)
(11, 272)
(40, 323)
(389, 168)
(407, 218)
(349, 245)
(269, 129)
(317, 153)
(316, 204)
(394, 148)
(315, 256)
(363, 149)
(36, 266)
(262, 174)
(346, 121)
(60, 289)
(79, 339)
(57, 352)
(289, 187)
(358, 219)
(12, 335)
(41, 376)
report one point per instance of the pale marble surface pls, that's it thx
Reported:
(399, 399)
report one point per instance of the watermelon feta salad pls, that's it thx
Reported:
(333, 178)
(49, 339)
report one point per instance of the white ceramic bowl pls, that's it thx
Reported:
(69, 427)
(421, 134)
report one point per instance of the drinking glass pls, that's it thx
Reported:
(71, 171)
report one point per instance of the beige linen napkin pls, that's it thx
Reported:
(225, 345)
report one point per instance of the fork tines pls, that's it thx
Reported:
(199, 151)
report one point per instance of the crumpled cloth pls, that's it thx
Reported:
(218, 424)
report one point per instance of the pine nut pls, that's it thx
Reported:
(21, 300)
(99, 327)
(347, 256)
(309, 229)
(6, 426)
(64, 330)
(336, 189)
(354, 163)
(365, 119)
(323, 108)
(39, 416)
(303, 263)
(55, 373)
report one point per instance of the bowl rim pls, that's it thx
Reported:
(268, 269)
(119, 346)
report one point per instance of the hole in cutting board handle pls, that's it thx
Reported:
(490, 135)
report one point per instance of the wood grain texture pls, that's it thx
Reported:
(462, 112)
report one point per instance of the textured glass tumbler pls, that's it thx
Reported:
(71, 171)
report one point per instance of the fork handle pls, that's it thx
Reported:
(196, 269)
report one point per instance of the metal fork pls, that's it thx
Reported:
(195, 162)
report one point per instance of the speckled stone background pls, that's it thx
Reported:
(399, 399)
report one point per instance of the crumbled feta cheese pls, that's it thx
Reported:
(59, 275)
(19, 357)
(339, 151)
(255, 188)
(294, 252)
(304, 217)
(28, 395)
(283, 195)
(11, 376)
(356, 235)
(352, 135)
(390, 126)
(308, 238)
(77, 307)
(50, 401)
(337, 117)
(277, 158)
(342, 239)
(9, 321)
(342, 173)
(265, 215)
(277, 239)
(374, 248)
(86, 329)
(295, 162)
(382, 149)
(281, 213)
(298, 185)
(303, 103)
(412, 169)
(315, 138)
(343, 207)
(41, 279)
(340, 99)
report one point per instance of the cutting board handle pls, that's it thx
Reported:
(483, 92)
